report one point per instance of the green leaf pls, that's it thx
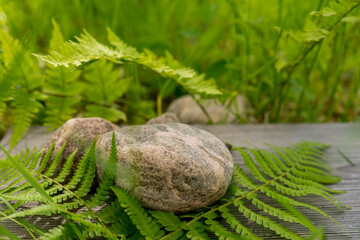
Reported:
(149, 228)
(27, 175)
(108, 177)
(107, 113)
(167, 219)
(104, 83)
(88, 49)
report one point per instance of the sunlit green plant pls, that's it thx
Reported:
(283, 175)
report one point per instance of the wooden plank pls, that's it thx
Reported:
(345, 137)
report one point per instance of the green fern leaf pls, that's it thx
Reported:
(57, 38)
(237, 225)
(59, 110)
(81, 168)
(63, 87)
(149, 228)
(6, 233)
(51, 169)
(266, 222)
(104, 83)
(5, 92)
(25, 107)
(120, 221)
(54, 234)
(107, 113)
(23, 75)
(44, 209)
(84, 188)
(196, 231)
(65, 171)
(220, 231)
(88, 49)
(167, 220)
(24, 160)
(107, 179)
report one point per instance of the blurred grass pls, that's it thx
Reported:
(234, 41)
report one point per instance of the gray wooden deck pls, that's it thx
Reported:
(345, 137)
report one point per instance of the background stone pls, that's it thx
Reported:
(167, 117)
(188, 111)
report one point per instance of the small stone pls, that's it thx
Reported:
(79, 133)
(164, 118)
(188, 111)
(170, 167)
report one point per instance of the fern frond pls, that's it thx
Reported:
(25, 107)
(92, 227)
(7, 233)
(81, 168)
(266, 222)
(292, 188)
(88, 49)
(44, 209)
(6, 92)
(147, 226)
(220, 231)
(65, 171)
(23, 73)
(84, 187)
(102, 79)
(50, 171)
(196, 231)
(46, 157)
(107, 179)
(53, 234)
(242, 178)
(27, 175)
(109, 113)
(280, 168)
(63, 87)
(24, 160)
(167, 219)
(59, 110)
(120, 221)
(236, 225)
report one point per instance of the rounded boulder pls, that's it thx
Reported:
(170, 167)
(79, 133)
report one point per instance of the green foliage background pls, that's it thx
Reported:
(294, 61)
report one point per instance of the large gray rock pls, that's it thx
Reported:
(79, 134)
(170, 167)
(188, 111)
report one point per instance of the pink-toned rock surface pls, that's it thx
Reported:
(164, 118)
(170, 167)
(79, 133)
(188, 111)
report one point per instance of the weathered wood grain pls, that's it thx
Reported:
(345, 137)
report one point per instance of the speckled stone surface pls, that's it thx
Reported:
(170, 167)
(79, 133)
(188, 111)
(164, 118)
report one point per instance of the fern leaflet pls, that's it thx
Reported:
(87, 49)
